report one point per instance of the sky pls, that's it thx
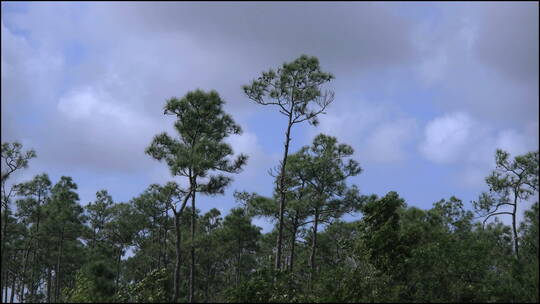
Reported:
(424, 92)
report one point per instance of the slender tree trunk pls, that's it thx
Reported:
(3, 276)
(516, 248)
(21, 288)
(5, 283)
(94, 237)
(155, 239)
(32, 275)
(21, 280)
(282, 192)
(33, 287)
(238, 259)
(160, 248)
(192, 265)
(4, 233)
(58, 274)
(208, 275)
(165, 246)
(314, 241)
(177, 264)
(118, 268)
(4, 230)
(12, 296)
(293, 244)
(49, 282)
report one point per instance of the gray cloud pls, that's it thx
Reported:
(345, 35)
(139, 54)
(508, 40)
(483, 59)
(85, 83)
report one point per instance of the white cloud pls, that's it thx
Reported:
(482, 59)
(348, 126)
(378, 132)
(457, 137)
(446, 137)
(254, 177)
(100, 132)
(91, 103)
(79, 104)
(387, 142)
(479, 157)
(512, 142)
(462, 141)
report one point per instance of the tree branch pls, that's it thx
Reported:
(484, 222)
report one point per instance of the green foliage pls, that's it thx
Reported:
(528, 267)
(268, 286)
(202, 125)
(99, 214)
(239, 239)
(200, 154)
(510, 183)
(93, 284)
(324, 164)
(64, 214)
(13, 158)
(380, 230)
(360, 282)
(293, 87)
(151, 289)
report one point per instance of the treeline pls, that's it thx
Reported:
(159, 247)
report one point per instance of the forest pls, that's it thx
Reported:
(159, 247)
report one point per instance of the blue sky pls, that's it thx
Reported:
(425, 92)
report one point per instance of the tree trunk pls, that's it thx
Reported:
(282, 192)
(49, 282)
(165, 256)
(207, 286)
(5, 283)
(5, 277)
(33, 287)
(32, 275)
(314, 242)
(4, 235)
(58, 274)
(4, 230)
(118, 268)
(293, 243)
(21, 280)
(516, 248)
(192, 264)
(12, 297)
(177, 264)
(238, 259)
(94, 239)
(160, 248)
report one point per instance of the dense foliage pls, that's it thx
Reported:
(157, 248)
